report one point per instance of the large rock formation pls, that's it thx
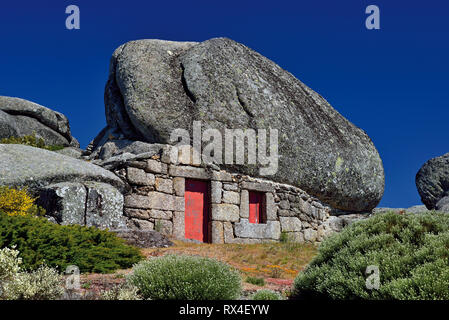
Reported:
(72, 191)
(20, 117)
(432, 181)
(156, 86)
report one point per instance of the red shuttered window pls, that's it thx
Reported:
(256, 207)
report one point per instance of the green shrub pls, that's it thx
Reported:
(266, 295)
(183, 277)
(89, 248)
(410, 250)
(31, 141)
(256, 281)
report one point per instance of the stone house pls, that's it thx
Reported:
(156, 87)
(206, 204)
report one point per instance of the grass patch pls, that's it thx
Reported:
(256, 281)
(31, 141)
(253, 260)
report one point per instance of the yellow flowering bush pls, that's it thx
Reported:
(18, 202)
(15, 202)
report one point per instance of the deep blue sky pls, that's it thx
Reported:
(393, 83)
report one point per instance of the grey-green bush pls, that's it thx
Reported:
(183, 277)
(44, 283)
(266, 295)
(124, 291)
(410, 250)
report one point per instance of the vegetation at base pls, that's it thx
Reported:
(89, 248)
(266, 295)
(18, 202)
(31, 141)
(284, 237)
(183, 277)
(410, 250)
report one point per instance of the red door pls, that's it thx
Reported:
(255, 207)
(196, 210)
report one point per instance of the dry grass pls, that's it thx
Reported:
(277, 263)
(268, 260)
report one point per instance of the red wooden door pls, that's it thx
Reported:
(255, 207)
(196, 210)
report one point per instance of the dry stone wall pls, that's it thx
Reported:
(156, 202)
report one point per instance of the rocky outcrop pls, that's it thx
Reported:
(72, 191)
(19, 117)
(156, 86)
(36, 168)
(8, 126)
(113, 148)
(432, 181)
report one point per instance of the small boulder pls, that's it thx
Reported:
(432, 182)
(90, 203)
(8, 126)
(443, 204)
